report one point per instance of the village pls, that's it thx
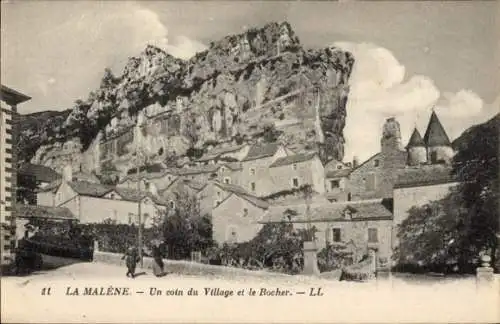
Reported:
(243, 187)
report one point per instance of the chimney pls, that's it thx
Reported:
(355, 162)
(68, 173)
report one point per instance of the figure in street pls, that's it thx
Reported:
(158, 266)
(131, 258)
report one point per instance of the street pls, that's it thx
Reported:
(91, 292)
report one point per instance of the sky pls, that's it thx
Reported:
(411, 57)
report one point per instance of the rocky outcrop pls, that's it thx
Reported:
(237, 90)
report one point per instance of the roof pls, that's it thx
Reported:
(435, 134)
(86, 188)
(415, 139)
(342, 173)
(196, 170)
(36, 211)
(80, 176)
(11, 96)
(425, 175)
(242, 193)
(136, 196)
(378, 209)
(51, 186)
(40, 172)
(291, 159)
(213, 154)
(259, 151)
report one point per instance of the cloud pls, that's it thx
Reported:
(184, 47)
(380, 89)
(73, 45)
(464, 103)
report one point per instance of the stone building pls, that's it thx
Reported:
(357, 225)
(9, 99)
(255, 175)
(236, 217)
(417, 186)
(337, 180)
(95, 203)
(375, 177)
(294, 171)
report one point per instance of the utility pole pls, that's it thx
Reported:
(139, 236)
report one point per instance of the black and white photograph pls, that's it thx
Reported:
(250, 161)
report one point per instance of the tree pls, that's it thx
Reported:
(476, 166)
(185, 229)
(458, 228)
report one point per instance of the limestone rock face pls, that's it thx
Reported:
(236, 88)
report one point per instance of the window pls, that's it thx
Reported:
(339, 167)
(146, 184)
(295, 182)
(172, 204)
(112, 196)
(145, 217)
(232, 234)
(252, 185)
(218, 193)
(376, 163)
(337, 236)
(130, 218)
(349, 196)
(295, 166)
(222, 169)
(252, 171)
(372, 235)
(334, 184)
(227, 180)
(59, 196)
(245, 212)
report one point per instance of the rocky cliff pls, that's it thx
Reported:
(261, 85)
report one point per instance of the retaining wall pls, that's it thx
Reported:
(187, 267)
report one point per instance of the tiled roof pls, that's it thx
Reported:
(80, 176)
(331, 212)
(28, 211)
(136, 196)
(342, 173)
(291, 159)
(415, 139)
(196, 170)
(242, 193)
(258, 151)
(213, 154)
(425, 175)
(40, 172)
(195, 184)
(51, 186)
(235, 166)
(86, 188)
(435, 134)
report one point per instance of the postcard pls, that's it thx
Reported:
(249, 161)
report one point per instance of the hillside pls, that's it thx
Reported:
(488, 129)
(242, 88)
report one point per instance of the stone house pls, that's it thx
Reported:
(417, 186)
(235, 218)
(294, 171)
(337, 180)
(255, 175)
(9, 100)
(94, 203)
(375, 177)
(357, 225)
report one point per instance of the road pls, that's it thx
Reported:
(450, 300)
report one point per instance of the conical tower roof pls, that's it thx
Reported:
(435, 134)
(415, 139)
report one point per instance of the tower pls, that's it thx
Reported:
(391, 136)
(417, 154)
(437, 142)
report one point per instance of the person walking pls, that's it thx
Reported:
(158, 266)
(131, 258)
